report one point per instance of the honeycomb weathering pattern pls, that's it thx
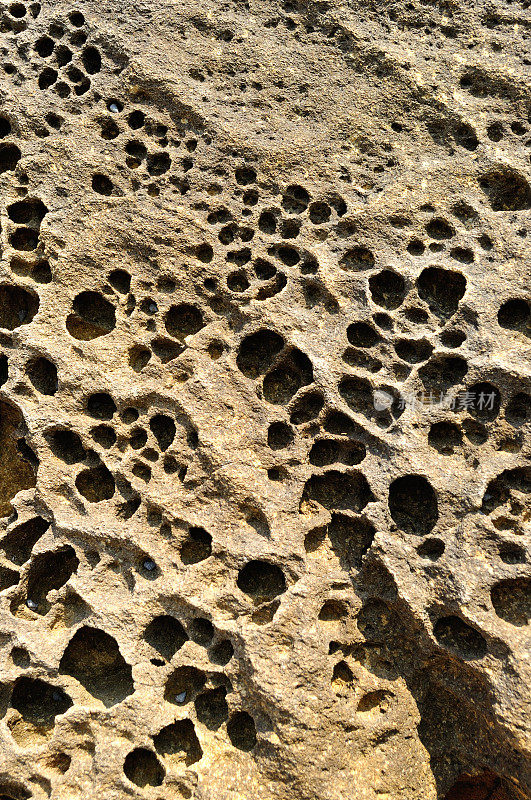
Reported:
(265, 402)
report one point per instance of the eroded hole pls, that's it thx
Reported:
(5, 127)
(440, 373)
(102, 184)
(49, 571)
(336, 490)
(139, 357)
(511, 599)
(178, 744)
(183, 320)
(413, 350)
(104, 435)
(24, 239)
(261, 581)
(442, 289)
(8, 578)
(222, 652)
(511, 553)
(204, 252)
(388, 289)
(306, 407)
(245, 175)
(93, 658)
(453, 338)
(143, 768)
(439, 228)
(295, 199)
(93, 316)
(18, 306)
(91, 60)
(211, 708)
(96, 484)
(202, 631)
(518, 411)
(27, 212)
(357, 259)
(381, 405)
(184, 684)
(284, 381)
(241, 730)
(197, 547)
(484, 401)
(445, 437)
(120, 280)
(376, 702)
(342, 677)
(18, 543)
(320, 213)
(38, 704)
(466, 136)
(163, 429)
(361, 334)
(43, 375)
(336, 451)
(257, 351)
(350, 537)
(506, 189)
(67, 446)
(158, 163)
(507, 489)
(166, 349)
(332, 611)
(20, 657)
(416, 247)
(431, 549)
(101, 406)
(486, 786)
(515, 314)
(17, 471)
(44, 46)
(238, 281)
(4, 369)
(413, 504)
(458, 637)
(77, 19)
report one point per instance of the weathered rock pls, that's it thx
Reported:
(265, 403)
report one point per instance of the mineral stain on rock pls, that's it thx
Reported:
(265, 400)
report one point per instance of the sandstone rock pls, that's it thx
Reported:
(265, 401)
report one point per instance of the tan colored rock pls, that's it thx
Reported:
(265, 401)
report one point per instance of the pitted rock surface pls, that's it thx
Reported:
(265, 404)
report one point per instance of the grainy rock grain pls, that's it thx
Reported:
(265, 400)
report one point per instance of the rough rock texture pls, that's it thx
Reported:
(237, 561)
